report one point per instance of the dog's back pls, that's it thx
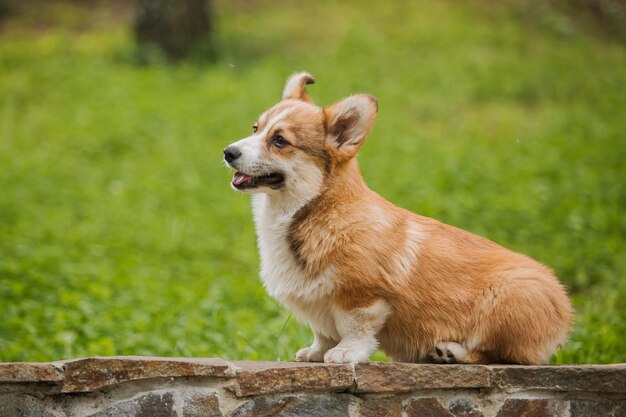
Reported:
(443, 284)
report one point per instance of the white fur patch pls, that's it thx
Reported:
(273, 122)
(362, 321)
(473, 341)
(306, 296)
(358, 329)
(404, 261)
(251, 149)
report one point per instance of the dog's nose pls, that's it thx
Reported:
(231, 153)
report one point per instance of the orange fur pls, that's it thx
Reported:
(432, 282)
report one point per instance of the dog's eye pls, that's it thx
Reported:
(255, 128)
(279, 141)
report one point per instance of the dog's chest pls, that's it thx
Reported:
(283, 278)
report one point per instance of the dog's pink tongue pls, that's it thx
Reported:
(239, 178)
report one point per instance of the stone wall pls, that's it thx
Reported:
(149, 387)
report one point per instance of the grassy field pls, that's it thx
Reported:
(119, 233)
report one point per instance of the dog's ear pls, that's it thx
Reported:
(348, 123)
(296, 86)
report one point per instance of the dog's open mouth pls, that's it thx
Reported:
(243, 181)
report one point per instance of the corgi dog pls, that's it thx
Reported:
(366, 274)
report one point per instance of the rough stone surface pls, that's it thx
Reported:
(587, 408)
(528, 408)
(591, 378)
(85, 375)
(332, 405)
(387, 406)
(149, 405)
(464, 407)
(270, 377)
(263, 406)
(30, 372)
(427, 407)
(202, 405)
(329, 405)
(141, 387)
(403, 377)
(26, 406)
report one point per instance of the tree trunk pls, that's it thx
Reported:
(172, 26)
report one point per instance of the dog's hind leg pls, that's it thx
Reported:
(452, 352)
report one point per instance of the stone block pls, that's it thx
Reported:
(405, 377)
(200, 404)
(30, 372)
(310, 405)
(464, 407)
(426, 407)
(23, 405)
(87, 375)
(148, 405)
(324, 405)
(528, 408)
(257, 378)
(606, 408)
(376, 406)
(263, 406)
(588, 378)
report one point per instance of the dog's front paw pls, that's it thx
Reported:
(345, 355)
(310, 354)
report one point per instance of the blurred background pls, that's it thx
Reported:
(119, 233)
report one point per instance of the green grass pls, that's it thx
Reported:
(119, 233)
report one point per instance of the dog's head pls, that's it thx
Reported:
(295, 145)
